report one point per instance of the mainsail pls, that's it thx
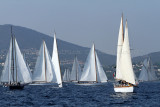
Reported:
(147, 72)
(93, 70)
(66, 76)
(76, 70)
(125, 64)
(56, 63)
(15, 69)
(119, 49)
(44, 69)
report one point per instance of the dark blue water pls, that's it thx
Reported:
(148, 94)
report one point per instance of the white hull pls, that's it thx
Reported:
(124, 89)
(87, 84)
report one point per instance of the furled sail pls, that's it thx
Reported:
(56, 63)
(15, 69)
(125, 67)
(76, 71)
(44, 69)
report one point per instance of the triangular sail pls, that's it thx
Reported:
(66, 76)
(15, 69)
(76, 71)
(119, 50)
(89, 71)
(56, 63)
(144, 73)
(44, 69)
(126, 68)
(101, 76)
(147, 72)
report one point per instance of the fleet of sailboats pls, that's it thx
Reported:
(124, 71)
(147, 72)
(93, 71)
(16, 72)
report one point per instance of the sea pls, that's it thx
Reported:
(72, 95)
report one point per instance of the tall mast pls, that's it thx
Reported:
(122, 28)
(12, 63)
(44, 61)
(15, 59)
(95, 63)
(76, 69)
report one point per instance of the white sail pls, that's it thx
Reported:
(6, 72)
(101, 76)
(76, 71)
(22, 70)
(126, 68)
(144, 73)
(66, 76)
(56, 63)
(15, 69)
(147, 72)
(44, 69)
(119, 49)
(89, 71)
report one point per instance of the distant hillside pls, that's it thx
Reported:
(28, 38)
(155, 57)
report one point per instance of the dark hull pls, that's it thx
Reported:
(16, 87)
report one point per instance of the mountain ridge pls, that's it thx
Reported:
(28, 38)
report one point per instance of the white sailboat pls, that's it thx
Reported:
(15, 73)
(147, 72)
(124, 70)
(56, 63)
(66, 76)
(76, 71)
(44, 70)
(93, 71)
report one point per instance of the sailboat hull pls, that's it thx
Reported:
(124, 89)
(16, 87)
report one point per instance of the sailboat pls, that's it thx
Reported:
(44, 69)
(15, 73)
(66, 76)
(124, 71)
(76, 71)
(147, 72)
(93, 71)
(56, 63)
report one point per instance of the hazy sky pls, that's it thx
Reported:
(83, 22)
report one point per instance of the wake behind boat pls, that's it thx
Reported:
(93, 72)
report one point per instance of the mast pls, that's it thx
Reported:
(15, 59)
(95, 63)
(76, 69)
(122, 29)
(44, 61)
(12, 63)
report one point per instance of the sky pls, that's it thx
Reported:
(84, 22)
